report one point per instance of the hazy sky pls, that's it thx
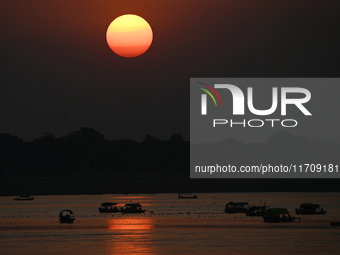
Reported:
(58, 74)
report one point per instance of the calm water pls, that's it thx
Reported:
(167, 227)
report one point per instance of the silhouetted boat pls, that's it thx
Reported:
(256, 210)
(335, 223)
(66, 216)
(23, 198)
(310, 208)
(109, 207)
(187, 195)
(236, 207)
(277, 215)
(132, 208)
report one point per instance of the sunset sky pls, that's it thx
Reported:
(58, 73)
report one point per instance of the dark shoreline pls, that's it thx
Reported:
(153, 193)
(150, 183)
(84, 162)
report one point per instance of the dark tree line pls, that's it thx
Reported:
(87, 150)
(84, 162)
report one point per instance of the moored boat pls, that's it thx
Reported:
(66, 216)
(277, 215)
(187, 195)
(132, 208)
(236, 207)
(256, 210)
(23, 198)
(310, 208)
(109, 207)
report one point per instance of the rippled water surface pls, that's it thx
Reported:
(170, 225)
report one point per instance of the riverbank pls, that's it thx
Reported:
(141, 182)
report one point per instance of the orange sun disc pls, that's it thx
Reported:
(129, 36)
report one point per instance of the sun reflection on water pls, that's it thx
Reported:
(131, 235)
(130, 224)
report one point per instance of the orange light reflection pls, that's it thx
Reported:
(131, 235)
(130, 224)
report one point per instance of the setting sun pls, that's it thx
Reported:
(129, 36)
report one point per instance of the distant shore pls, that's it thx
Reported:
(84, 162)
(140, 182)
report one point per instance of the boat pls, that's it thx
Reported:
(109, 207)
(335, 223)
(256, 210)
(310, 208)
(277, 215)
(132, 208)
(236, 207)
(187, 195)
(23, 198)
(66, 216)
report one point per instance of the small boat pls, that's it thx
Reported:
(109, 207)
(132, 208)
(310, 208)
(277, 215)
(256, 210)
(187, 195)
(335, 223)
(66, 216)
(236, 207)
(23, 198)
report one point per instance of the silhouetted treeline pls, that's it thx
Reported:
(84, 162)
(87, 150)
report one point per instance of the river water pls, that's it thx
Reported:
(170, 225)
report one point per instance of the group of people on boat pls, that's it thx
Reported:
(310, 208)
(268, 214)
(277, 215)
(67, 216)
(272, 214)
(108, 207)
